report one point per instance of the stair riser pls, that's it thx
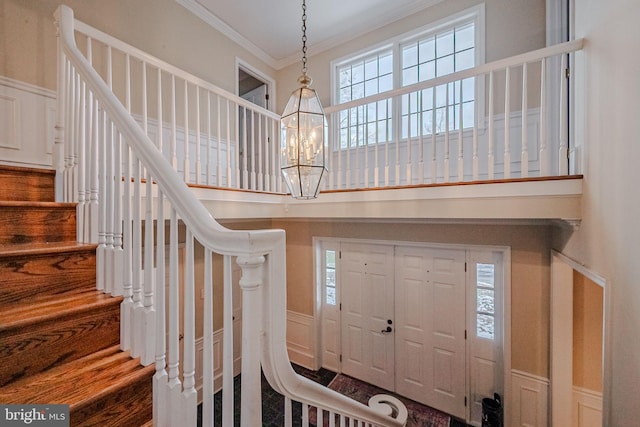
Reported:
(129, 406)
(26, 184)
(20, 224)
(39, 277)
(31, 349)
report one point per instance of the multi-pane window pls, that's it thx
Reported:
(436, 55)
(371, 123)
(330, 277)
(485, 301)
(445, 48)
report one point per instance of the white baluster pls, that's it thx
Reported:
(563, 153)
(544, 154)
(118, 254)
(288, 415)
(409, 142)
(252, 132)
(260, 176)
(82, 144)
(126, 308)
(219, 166)
(460, 138)
(228, 125)
(305, 414)
(161, 377)
(59, 142)
(357, 153)
(147, 320)
(475, 137)
(102, 202)
(347, 168)
(376, 155)
(227, 345)
(109, 181)
(209, 166)
(434, 159)
(174, 394)
(88, 173)
(198, 147)
(190, 395)
(207, 351)
(136, 257)
(187, 161)
(174, 130)
(160, 125)
(421, 137)
(491, 159)
(398, 138)
(524, 157)
(507, 126)
(446, 135)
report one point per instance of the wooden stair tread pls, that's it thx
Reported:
(38, 248)
(79, 382)
(21, 315)
(28, 204)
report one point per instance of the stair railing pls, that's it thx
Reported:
(157, 244)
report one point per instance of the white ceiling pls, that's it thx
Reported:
(271, 29)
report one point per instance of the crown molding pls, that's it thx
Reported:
(207, 16)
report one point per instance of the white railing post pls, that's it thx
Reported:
(251, 281)
(59, 138)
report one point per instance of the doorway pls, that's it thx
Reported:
(424, 321)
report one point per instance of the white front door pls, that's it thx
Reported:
(430, 327)
(367, 313)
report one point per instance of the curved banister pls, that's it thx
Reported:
(255, 244)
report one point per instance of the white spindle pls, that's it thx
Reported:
(245, 128)
(209, 166)
(305, 414)
(421, 138)
(544, 154)
(460, 139)
(259, 157)
(207, 347)
(190, 395)
(447, 170)
(227, 345)
(160, 126)
(491, 160)
(198, 146)
(507, 125)
(339, 152)
(398, 138)
(174, 393)
(59, 143)
(347, 176)
(409, 163)
(219, 165)
(356, 181)
(434, 159)
(161, 376)
(174, 130)
(288, 415)
(376, 148)
(126, 307)
(82, 144)
(228, 126)
(102, 202)
(475, 134)
(524, 157)
(252, 152)
(563, 153)
(69, 96)
(136, 257)
(148, 315)
(88, 162)
(186, 171)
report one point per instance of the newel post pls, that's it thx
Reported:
(251, 389)
(58, 149)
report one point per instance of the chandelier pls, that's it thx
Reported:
(303, 133)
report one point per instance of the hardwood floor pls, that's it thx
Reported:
(60, 336)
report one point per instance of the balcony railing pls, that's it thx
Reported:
(501, 120)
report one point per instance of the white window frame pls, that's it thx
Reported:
(475, 14)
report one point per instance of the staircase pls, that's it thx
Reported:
(59, 336)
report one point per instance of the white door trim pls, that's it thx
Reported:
(562, 268)
(506, 294)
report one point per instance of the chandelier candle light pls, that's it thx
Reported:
(303, 134)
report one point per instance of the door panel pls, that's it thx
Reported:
(367, 305)
(430, 322)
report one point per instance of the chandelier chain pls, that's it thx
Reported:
(304, 37)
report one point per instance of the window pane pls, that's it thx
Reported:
(370, 87)
(485, 326)
(468, 114)
(357, 71)
(445, 65)
(485, 301)
(331, 296)
(468, 89)
(465, 37)
(444, 44)
(385, 83)
(427, 50)
(427, 70)
(357, 91)
(371, 68)
(330, 260)
(485, 275)
(410, 55)
(465, 59)
(345, 94)
(386, 64)
(409, 76)
(345, 76)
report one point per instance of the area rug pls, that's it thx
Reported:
(419, 415)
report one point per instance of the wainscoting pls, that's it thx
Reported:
(587, 408)
(27, 124)
(529, 400)
(300, 339)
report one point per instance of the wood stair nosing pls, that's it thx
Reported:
(13, 250)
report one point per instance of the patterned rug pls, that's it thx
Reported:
(419, 415)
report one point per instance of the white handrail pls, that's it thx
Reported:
(261, 254)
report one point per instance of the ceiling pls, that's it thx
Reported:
(271, 29)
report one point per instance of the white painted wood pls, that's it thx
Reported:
(563, 159)
(227, 379)
(507, 129)
(544, 155)
(430, 327)
(587, 408)
(524, 156)
(367, 294)
(189, 394)
(300, 343)
(561, 364)
(491, 142)
(529, 400)
(208, 355)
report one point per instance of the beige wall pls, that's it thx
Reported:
(530, 271)
(162, 28)
(512, 27)
(587, 333)
(608, 240)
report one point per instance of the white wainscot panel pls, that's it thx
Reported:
(27, 120)
(587, 408)
(529, 400)
(300, 339)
